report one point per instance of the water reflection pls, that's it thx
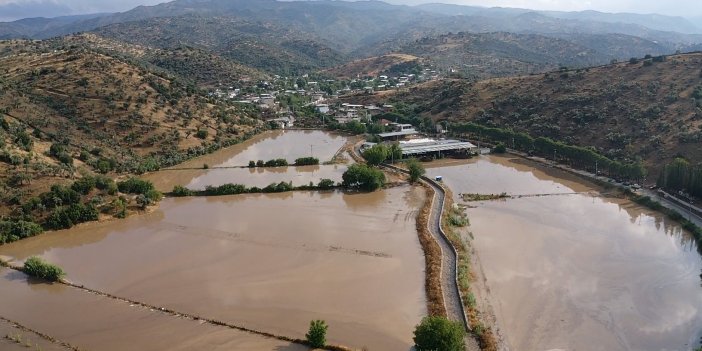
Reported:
(566, 270)
(289, 145)
(351, 259)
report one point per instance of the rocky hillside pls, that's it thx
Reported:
(648, 108)
(67, 110)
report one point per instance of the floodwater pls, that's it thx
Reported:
(577, 272)
(260, 177)
(289, 145)
(92, 322)
(270, 262)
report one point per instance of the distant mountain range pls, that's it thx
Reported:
(302, 36)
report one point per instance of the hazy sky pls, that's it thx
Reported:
(14, 9)
(668, 7)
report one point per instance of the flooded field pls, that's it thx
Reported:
(92, 322)
(289, 145)
(577, 272)
(268, 262)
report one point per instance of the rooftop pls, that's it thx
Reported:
(427, 145)
(396, 134)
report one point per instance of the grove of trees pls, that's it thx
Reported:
(680, 175)
(363, 177)
(577, 156)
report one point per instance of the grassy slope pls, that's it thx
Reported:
(622, 109)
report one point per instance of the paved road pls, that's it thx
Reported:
(449, 285)
(449, 288)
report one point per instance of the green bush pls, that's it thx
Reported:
(252, 164)
(306, 161)
(317, 334)
(36, 267)
(181, 191)
(376, 154)
(201, 134)
(439, 334)
(278, 188)
(260, 163)
(84, 185)
(225, 189)
(16, 230)
(67, 217)
(416, 170)
(364, 177)
(135, 186)
(59, 196)
(279, 162)
(325, 184)
(500, 148)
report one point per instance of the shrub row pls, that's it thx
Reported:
(584, 157)
(278, 162)
(306, 161)
(236, 189)
(16, 230)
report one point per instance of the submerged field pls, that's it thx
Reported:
(224, 166)
(267, 262)
(561, 271)
(557, 265)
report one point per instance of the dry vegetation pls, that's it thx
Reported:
(68, 110)
(432, 258)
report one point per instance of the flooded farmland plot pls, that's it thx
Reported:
(288, 145)
(92, 322)
(267, 262)
(581, 271)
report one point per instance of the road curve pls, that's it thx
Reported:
(449, 285)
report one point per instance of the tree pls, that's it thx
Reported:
(415, 168)
(439, 334)
(395, 152)
(317, 335)
(355, 127)
(36, 267)
(376, 154)
(360, 176)
(500, 148)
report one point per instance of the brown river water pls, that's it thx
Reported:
(577, 272)
(289, 145)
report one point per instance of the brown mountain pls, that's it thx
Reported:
(649, 109)
(66, 110)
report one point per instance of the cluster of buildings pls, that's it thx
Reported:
(413, 144)
(345, 113)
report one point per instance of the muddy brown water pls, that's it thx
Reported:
(289, 145)
(92, 322)
(268, 262)
(577, 272)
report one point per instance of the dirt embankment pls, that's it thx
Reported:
(432, 257)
